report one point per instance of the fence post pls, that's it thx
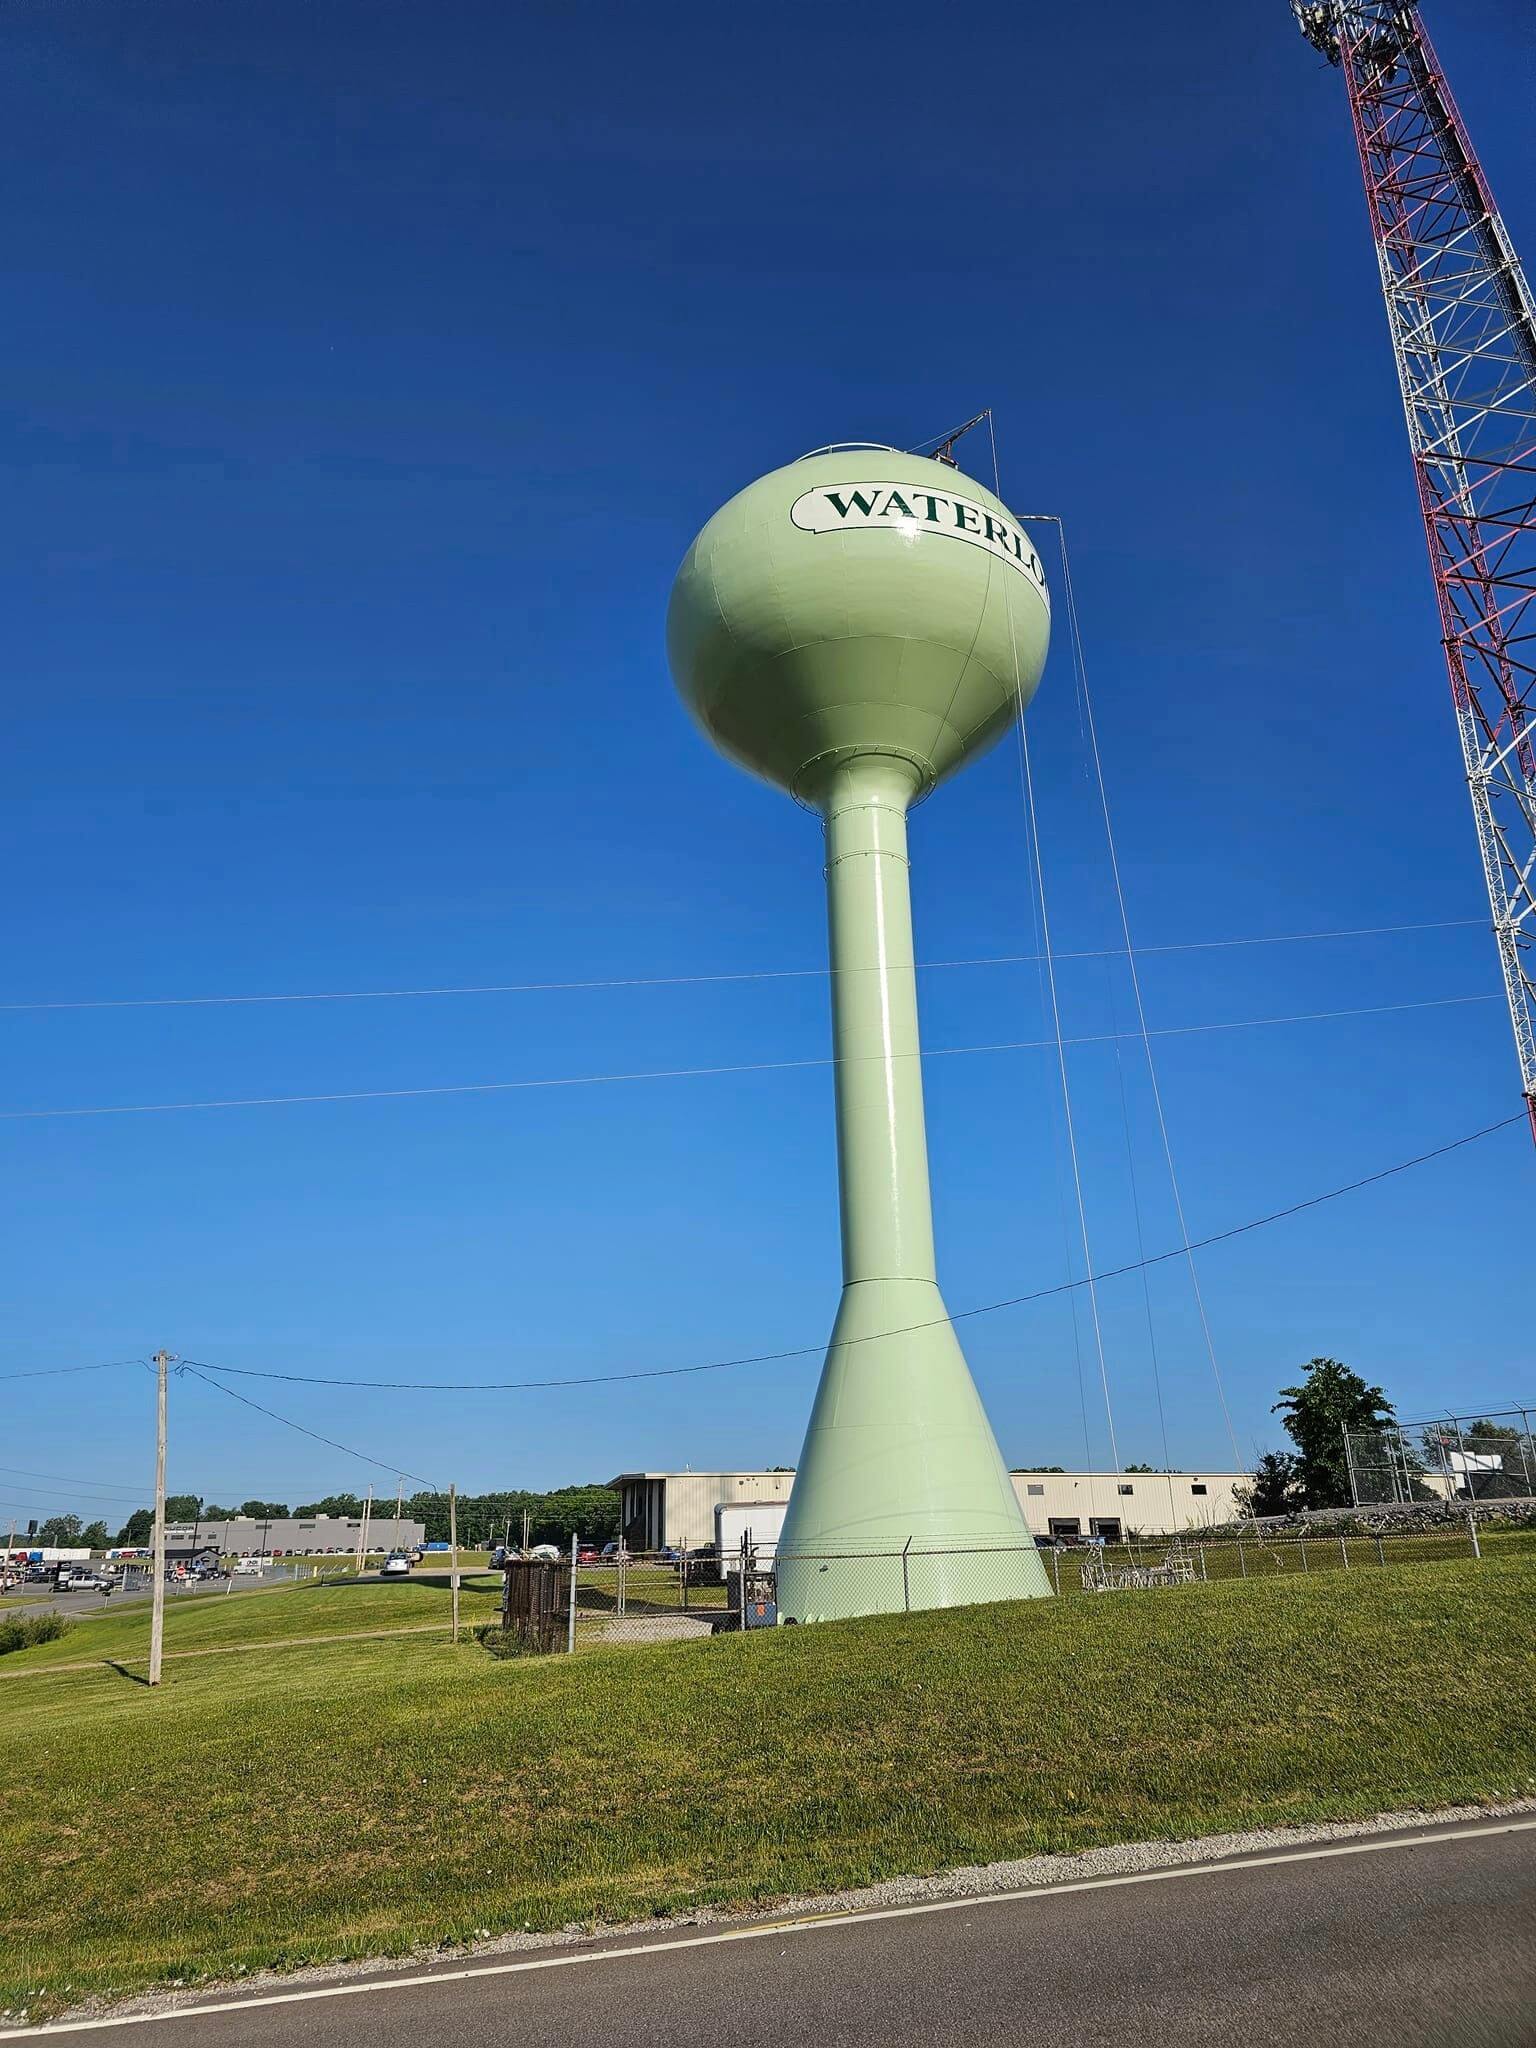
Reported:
(1056, 1566)
(1303, 1542)
(1381, 1555)
(1472, 1532)
(906, 1582)
(1201, 1548)
(682, 1579)
(1242, 1562)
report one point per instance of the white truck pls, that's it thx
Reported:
(757, 1522)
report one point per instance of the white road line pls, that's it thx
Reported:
(806, 1923)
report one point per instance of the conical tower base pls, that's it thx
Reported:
(898, 1422)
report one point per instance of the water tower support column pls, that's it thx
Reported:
(899, 1451)
(882, 1141)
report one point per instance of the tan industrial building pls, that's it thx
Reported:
(658, 1510)
(1111, 1504)
(287, 1535)
(677, 1509)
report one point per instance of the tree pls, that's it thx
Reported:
(333, 1504)
(182, 1507)
(217, 1514)
(264, 1510)
(591, 1512)
(1329, 1400)
(95, 1534)
(1275, 1488)
(60, 1532)
(138, 1528)
(1141, 1468)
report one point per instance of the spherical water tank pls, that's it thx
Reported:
(858, 601)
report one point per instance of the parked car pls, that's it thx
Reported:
(612, 1552)
(588, 1553)
(546, 1553)
(80, 1578)
(396, 1566)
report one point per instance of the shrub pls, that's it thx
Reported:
(21, 1631)
(505, 1642)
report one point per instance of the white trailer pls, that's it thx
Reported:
(757, 1522)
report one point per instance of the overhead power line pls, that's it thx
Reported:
(50, 1372)
(199, 1367)
(402, 1471)
(78, 1487)
(702, 1073)
(1178, 1251)
(524, 988)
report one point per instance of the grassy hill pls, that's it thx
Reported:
(209, 1621)
(362, 1798)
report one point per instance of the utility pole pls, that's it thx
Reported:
(362, 1534)
(399, 1504)
(453, 1554)
(157, 1597)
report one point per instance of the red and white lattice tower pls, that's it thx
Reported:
(1464, 334)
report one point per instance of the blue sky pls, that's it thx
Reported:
(368, 372)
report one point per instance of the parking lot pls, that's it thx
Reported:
(135, 1585)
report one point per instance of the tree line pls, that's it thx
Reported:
(555, 1516)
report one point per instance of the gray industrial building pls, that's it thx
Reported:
(293, 1535)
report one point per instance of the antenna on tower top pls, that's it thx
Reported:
(944, 449)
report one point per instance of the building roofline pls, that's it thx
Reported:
(1180, 1472)
(752, 1472)
(1015, 1472)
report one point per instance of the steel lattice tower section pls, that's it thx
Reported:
(1464, 334)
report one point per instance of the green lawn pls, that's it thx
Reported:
(199, 1621)
(368, 1797)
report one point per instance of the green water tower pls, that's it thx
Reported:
(854, 628)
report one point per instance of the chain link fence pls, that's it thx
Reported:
(668, 1596)
(639, 1597)
(1456, 1458)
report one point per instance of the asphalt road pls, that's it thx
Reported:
(1411, 1940)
